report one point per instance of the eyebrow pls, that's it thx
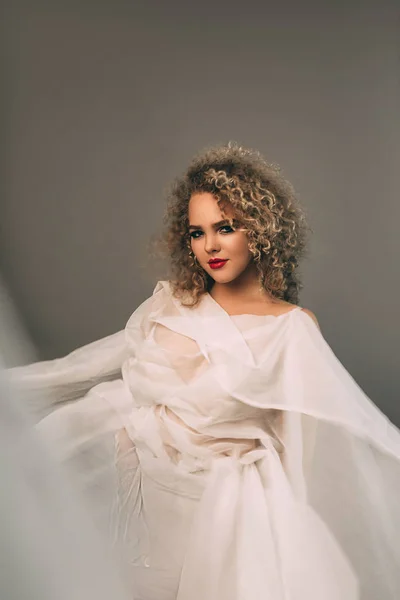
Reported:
(216, 225)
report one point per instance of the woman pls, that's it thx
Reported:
(237, 457)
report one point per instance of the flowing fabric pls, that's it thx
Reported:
(49, 549)
(228, 457)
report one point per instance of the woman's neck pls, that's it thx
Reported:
(246, 289)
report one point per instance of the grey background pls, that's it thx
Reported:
(105, 102)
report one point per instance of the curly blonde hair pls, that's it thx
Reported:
(264, 204)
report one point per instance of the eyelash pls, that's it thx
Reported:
(195, 237)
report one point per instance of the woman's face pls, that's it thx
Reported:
(221, 251)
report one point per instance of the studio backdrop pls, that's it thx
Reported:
(105, 102)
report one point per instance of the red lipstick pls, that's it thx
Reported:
(217, 263)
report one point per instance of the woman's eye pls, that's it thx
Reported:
(198, 233)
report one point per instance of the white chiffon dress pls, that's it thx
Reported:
(227, 457)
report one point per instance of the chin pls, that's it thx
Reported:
(222, 277)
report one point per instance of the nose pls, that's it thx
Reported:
(211, 243)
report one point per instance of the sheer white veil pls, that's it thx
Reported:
(49, 548)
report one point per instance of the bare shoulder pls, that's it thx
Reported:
(312, 315)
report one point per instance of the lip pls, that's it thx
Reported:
(217, 263)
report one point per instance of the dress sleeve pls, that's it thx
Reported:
(49, 383)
